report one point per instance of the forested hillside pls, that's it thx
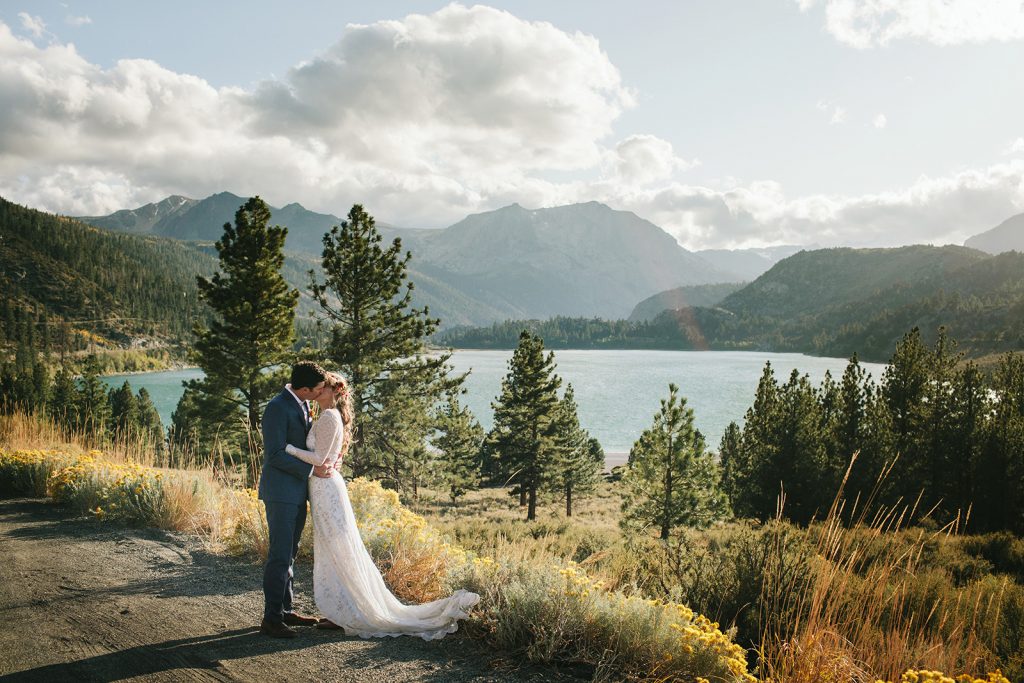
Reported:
(67, 285)
(831, 302)
(683, 297)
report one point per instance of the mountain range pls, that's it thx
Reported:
(515, 263)
(582, 259)
(1007, 236)
(831, 302)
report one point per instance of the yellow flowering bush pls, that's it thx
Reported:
(559, 613)
(551, 613)
(244, 523)
(925, 676)
(25, 472)
(128, 492)
(138, 494)
(417, 562)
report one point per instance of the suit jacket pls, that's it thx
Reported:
(284, 477)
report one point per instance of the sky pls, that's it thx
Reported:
(727, 123)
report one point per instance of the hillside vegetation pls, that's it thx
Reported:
(70, 285)
(832, 302)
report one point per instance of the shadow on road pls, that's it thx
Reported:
(202, 655)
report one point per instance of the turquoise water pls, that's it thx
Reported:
(164, 387)
(618, 392)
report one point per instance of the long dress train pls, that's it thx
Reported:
(347, 586)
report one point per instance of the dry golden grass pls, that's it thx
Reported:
(864, 615)
(32, 432)
(872, 609)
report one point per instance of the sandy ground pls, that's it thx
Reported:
(84, 601)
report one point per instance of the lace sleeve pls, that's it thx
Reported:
(328, 432)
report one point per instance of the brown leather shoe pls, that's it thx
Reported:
(328, 625)
(276, 629)
(293, 619)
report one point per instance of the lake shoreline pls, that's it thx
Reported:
(617, 392)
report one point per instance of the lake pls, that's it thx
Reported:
(618, 392)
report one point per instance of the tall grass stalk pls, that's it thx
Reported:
(870, 609)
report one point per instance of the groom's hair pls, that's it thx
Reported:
(306, 374)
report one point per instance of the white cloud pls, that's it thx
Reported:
(870, 23)
(33, 24)
(77, 20)
(1015, 147)
(422, 120)
(932, 210)
(880, 121)
(645, 159)
(429, 116)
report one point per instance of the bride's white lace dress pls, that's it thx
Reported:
(347, 585)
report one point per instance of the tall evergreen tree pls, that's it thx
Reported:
(753, 481)
(801, 469)
(124, 412)
(379, 342)
(92, 407)
(851, 431)
(962, 437)
(904, 388)
(149, 421)
(458, 438)
(525, 421)
(27, 394)
(40, 383)
(253, 328)
(998, 471)
(62, 404)
(672, 480)
(730, 453)
(579, 458)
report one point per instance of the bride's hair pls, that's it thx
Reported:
(343, 402)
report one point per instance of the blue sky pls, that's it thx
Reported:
(727, 123)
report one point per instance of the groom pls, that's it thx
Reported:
(283, 492)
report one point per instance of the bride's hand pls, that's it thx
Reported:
(322, 471)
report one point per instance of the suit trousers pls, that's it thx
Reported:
(284, 522)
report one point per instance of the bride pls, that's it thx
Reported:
(347, 586)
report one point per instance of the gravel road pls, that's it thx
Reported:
(85, 601)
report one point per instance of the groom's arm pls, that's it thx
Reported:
(275, 439)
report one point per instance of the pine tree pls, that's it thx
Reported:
(753, 482)
(579, 458)
(62, 405)
(458, 438)
(124, 412)
(961, 438)
(404, 463)
(25, 389)
(91, 403)
(850, 430)
(149, 421)
(904, 388)
(204, 423)
(672, 480)
(379, 342)
(998, 471)
(729, 455)
(40, 383)
(525, 421)
(253, 329)
(801, 468)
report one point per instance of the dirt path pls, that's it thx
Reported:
(85, 601)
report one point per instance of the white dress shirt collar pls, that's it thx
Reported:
(302, 404)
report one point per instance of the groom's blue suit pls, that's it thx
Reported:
(283, 486)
